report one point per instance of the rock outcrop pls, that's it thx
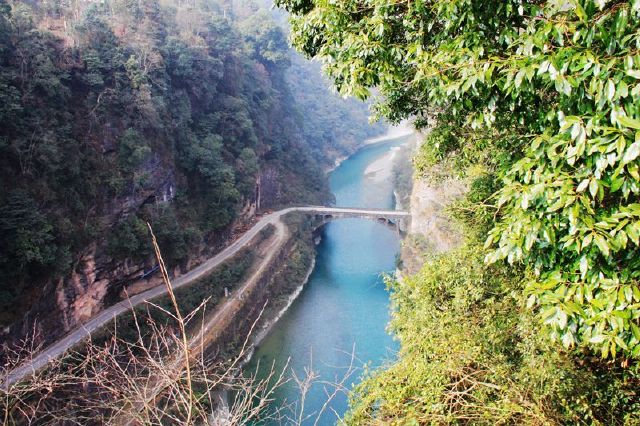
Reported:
(431, 230)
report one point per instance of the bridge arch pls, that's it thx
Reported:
(394, 218)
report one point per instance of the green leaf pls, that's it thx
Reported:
(620, 342)
(611, 89)
(632, 233)
(621, 239)
(583, 185)
(604, 352)
(629, 122)
(584, 266)
(593, 187)
(580, 13)
(602, 244)
(616, 184)
(636, 331)
(634, 73)
(489, 241)
(631, 153)
(562, 318)
(587, 240)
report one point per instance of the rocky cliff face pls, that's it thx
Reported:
(97, 280)
(430, 231)
(427, 205)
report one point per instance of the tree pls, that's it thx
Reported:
(5, 13)
(213, 180)
(553, 84)
(132, 149)
(27, 246)
(265, 39)
(247, 169)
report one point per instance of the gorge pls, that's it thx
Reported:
(200, 223)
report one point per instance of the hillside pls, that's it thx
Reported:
(117, 113)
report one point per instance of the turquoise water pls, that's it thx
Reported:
(342, 313)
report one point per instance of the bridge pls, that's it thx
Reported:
(397, 218)
(102, 318)
(351, 212)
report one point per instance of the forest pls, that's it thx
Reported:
(535, 318)
(192, 115)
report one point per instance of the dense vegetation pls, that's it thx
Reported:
(113, 113)
(536, 318)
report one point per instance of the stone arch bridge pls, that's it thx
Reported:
(395, 218)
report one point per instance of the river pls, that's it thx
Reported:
(344, 308)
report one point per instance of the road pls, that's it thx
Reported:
(80, 333)
(225, 314)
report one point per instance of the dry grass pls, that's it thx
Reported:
(160, 378)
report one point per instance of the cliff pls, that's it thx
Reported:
(120, 113)
(431, 229)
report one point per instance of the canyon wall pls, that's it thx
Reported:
(115, 115)
(431, 229)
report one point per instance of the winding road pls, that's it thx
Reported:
(80, 333)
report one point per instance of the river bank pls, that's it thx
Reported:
(393, 132)
(269, 322)
(382, 168)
